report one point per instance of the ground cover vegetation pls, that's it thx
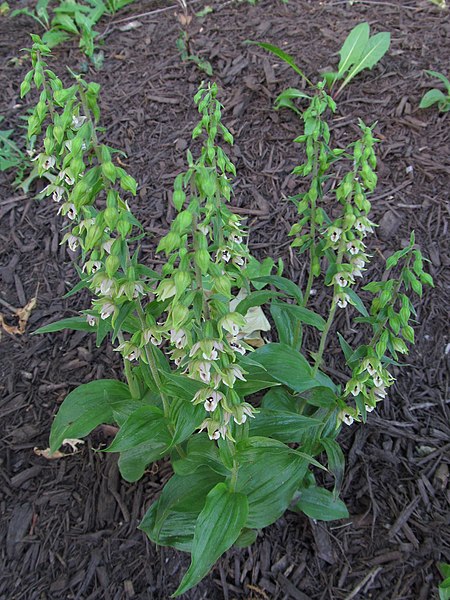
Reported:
(247, 409)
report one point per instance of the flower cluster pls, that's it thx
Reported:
(346, 234)
(81, 171)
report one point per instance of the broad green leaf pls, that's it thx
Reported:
(321, 397)
(255, 269)
(281, 283)
(182, 495)
(289, 329)
(218, 527)
(287, 58)
(286, 365)
(178, 531)
(88, 406)
(432, 97)
(336, 461)
(133, 463)
(269, 473)
(304, 315)
(64, 22)
(255, 299)
(74, 323)
(256, 378)
(284, 426)
(353, 47)
(320, 504)
(356, 301)
(180, 386)
(376, 48)
(54, 37)
(281, 399)
(185, 417)
(246, 538)
(200, 452)
(146, 424)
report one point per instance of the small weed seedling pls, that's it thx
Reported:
(185, 333)
(10, 154)
(72, 17)
(444, 586)
(184, 41)
(436, 96)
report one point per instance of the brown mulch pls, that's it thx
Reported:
(68, 527)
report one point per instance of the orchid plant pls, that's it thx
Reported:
(242, 418)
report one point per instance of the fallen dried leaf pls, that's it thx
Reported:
(23, 314)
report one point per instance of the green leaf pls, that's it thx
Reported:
(287, 58)
(133, 463)
(286, 365)
(374, 51)
(280, 399)
(178, 531)
(218, 527)
(185, 417)
(346, 348)
(182, 495)
(353, 47)
(146, 424)
(180, 386)
(255, 299)
(318, 503)
(269, 473)
(304, 315)
(284, 426)
(356, 301)
(54, 37)
(200, 452)
(289, 330)
(66, 23)
(246, 538)
(256, 379)
(441, 77)
(74, 323)
(336, 461)
(432, 97)
(88, 406)
(285, 99)
(285, 285)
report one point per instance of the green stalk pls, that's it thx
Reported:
(325, 332)
(312, 250)
(198, 273)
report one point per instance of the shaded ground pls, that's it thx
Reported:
(68, 528)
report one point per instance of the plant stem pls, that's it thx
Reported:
(325, 332)
(198, 273)
(46, 89)
(323, 339)
(312, 250)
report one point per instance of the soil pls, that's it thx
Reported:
(68, 526)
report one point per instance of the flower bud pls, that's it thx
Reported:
(222, 285)
(123, 227)
(202, 260)
(111, 216)
(128, 184)
(109, 171)
(183, 220)
(179, 314)
(178, 199)
(93, 235)
(182, 281)
(112, 263)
